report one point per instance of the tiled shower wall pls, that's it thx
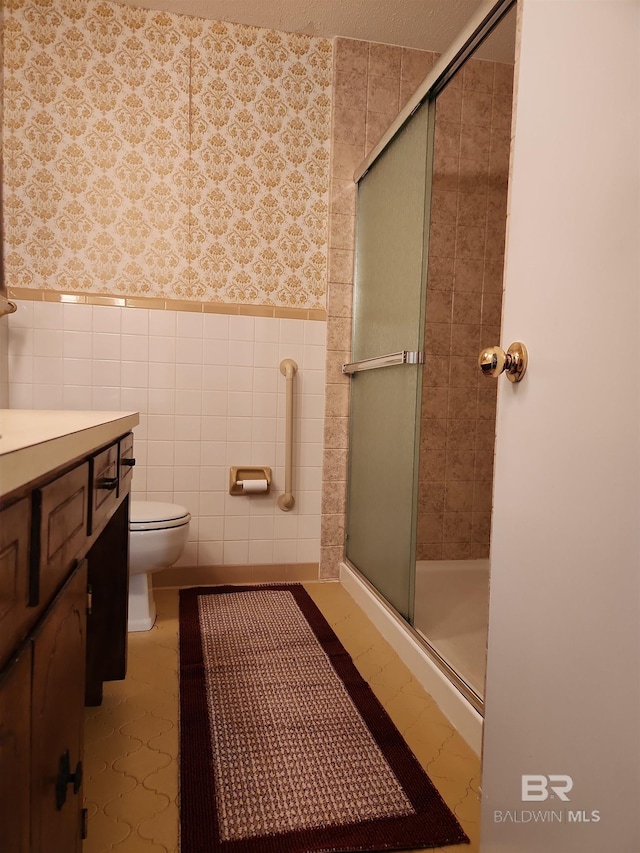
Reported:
(210, 395)
(371, 84)
(464, 307)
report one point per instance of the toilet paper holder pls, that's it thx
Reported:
(257, 478)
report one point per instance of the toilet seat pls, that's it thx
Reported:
(155, 515)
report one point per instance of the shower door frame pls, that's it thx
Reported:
(477, 29)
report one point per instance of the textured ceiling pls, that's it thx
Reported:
(423, 24)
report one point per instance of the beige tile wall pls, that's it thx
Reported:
(371, 84)
(464, 305)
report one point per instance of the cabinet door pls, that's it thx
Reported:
(15, 699)
(15, 616)
(57, 720)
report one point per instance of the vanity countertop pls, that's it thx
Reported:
(34, 442)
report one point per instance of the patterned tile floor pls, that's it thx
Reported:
(131, 740)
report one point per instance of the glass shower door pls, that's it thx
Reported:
(389, 304)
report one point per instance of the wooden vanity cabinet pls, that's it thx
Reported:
(57, 721)
(64, 552)
(15, 740)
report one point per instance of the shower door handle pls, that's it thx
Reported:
(402, 357)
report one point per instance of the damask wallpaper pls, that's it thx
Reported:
(159, 155)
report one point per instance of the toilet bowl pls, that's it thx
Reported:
(157, 536)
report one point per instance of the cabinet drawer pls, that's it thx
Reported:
(14, 576)
(104, 494)
(126, 463)
(63, 508)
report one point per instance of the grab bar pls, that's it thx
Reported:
(286, 501)
(402, 357)
(7, 307)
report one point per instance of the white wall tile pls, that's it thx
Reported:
(285, 550)
(23, 317)
(47, 371)
(161, 427)
(105, 346)
(162, 375)
(260, 551)
(20, 339)
(134, 347)
(241, 328)
(106, 318)
(160, 478)
(189, 325)
(135, 321)
(185, 474)
(77, 397)
(188, 402)
(77, 344)
(189, 377)
(240, 378)
(77, 317)
(76, 371)
(162, 323)
(211, 503)
(189, 350)
(211, 528)
(267, 329)
(238, 429)
(241, 353)
(48, 343)
(235, 553)
(308, 551)
(215, 403)
(266, 355)
(47, 396)
(20, 395)
(20, 367)
(315, 334)
(162, 349)
(210, 395)
(187, 453)
(188, 427)
(240, 404)
(134, 400)
(47, 315)
(105, 399)
(162, 400)
(291, 331)
(216, 326)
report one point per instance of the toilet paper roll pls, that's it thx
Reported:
(253, 487)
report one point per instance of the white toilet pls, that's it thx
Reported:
(157, 536)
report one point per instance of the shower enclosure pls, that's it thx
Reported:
(431, 221)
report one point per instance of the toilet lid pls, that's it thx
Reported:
(156, 515)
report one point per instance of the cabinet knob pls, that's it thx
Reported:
(128, 461)
(66, 777)
(108, 483)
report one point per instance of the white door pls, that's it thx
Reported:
(561, 762)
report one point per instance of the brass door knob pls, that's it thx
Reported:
(494, 360)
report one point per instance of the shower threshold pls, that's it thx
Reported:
(458, 701)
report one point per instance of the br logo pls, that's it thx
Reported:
(538, 788)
